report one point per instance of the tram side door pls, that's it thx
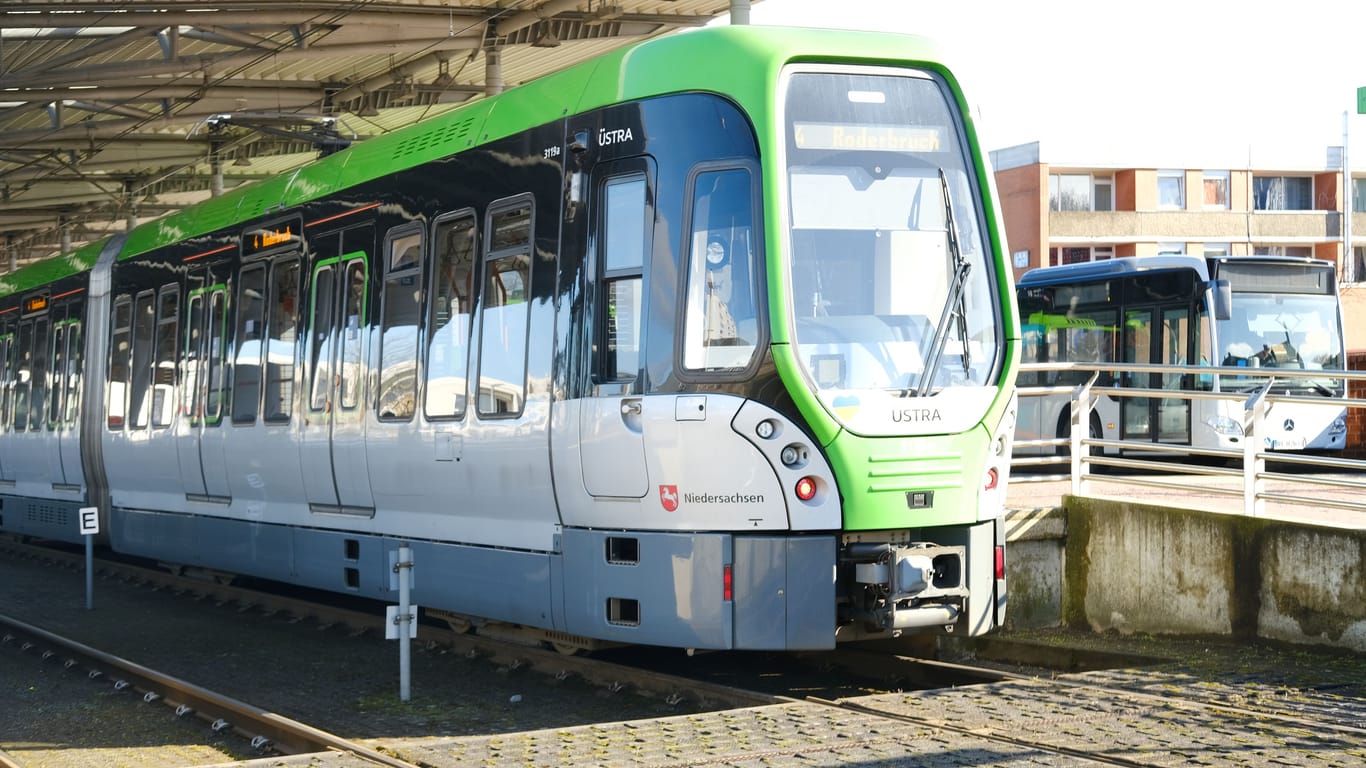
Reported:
(611, 418)
(1157, 335)
(204, 388)
(336, 473)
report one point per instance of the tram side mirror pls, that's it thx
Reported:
(1222, 293)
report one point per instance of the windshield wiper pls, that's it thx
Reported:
(953, 304)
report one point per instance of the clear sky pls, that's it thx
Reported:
(1157, 78)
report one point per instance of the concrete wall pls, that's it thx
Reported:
(1108, 565)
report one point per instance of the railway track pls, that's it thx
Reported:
(267, 732)
(512, 655)
(1122, 718)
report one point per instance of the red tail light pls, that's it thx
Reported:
(806, 488)
(992, 478)
(727, 584)
(1000, 561)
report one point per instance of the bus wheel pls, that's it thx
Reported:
(1065, 433)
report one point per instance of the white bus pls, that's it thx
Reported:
(1244, 311)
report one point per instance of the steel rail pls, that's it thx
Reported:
(280, 733)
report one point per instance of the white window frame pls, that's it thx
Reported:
(1167, 176)
(1215, 176)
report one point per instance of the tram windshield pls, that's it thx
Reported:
(891, 283)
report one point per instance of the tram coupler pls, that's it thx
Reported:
(906, 587)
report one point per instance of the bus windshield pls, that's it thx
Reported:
(1283, 316)
(1297, 331)
(891, 276)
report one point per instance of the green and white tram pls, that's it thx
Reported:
(706, 343)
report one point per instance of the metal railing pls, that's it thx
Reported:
(1081, 451)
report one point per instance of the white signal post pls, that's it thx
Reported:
(90, 527)
(401, 621)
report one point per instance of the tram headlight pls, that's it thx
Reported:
(1339, 426)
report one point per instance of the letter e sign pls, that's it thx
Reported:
(90, 521)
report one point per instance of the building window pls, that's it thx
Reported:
(1359, 195)
(1359, 265)
(1080, 192)
(1168, 249)
(1216, 189)
(1171, 190)
(1282, 193)
(1217, 249)
(1078, 255)
(1301, 251)
(1103, 194)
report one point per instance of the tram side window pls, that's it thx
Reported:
(246, 367)
(75, 369)
(164, 371)
(280, 349)
(623, 258)
(6, 374)
(59, 367)
(216, 354)
(204, 365)
(320, 366)
(720, 330)
(144, 325)
(448, 328)
(120, 356)
(23, 378)
(350, 348)
(399, 335)
(65, 401)
(38, 396)
(506, 312)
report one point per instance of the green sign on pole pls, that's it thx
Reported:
(1361, 100)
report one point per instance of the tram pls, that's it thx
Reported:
(705, 343)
